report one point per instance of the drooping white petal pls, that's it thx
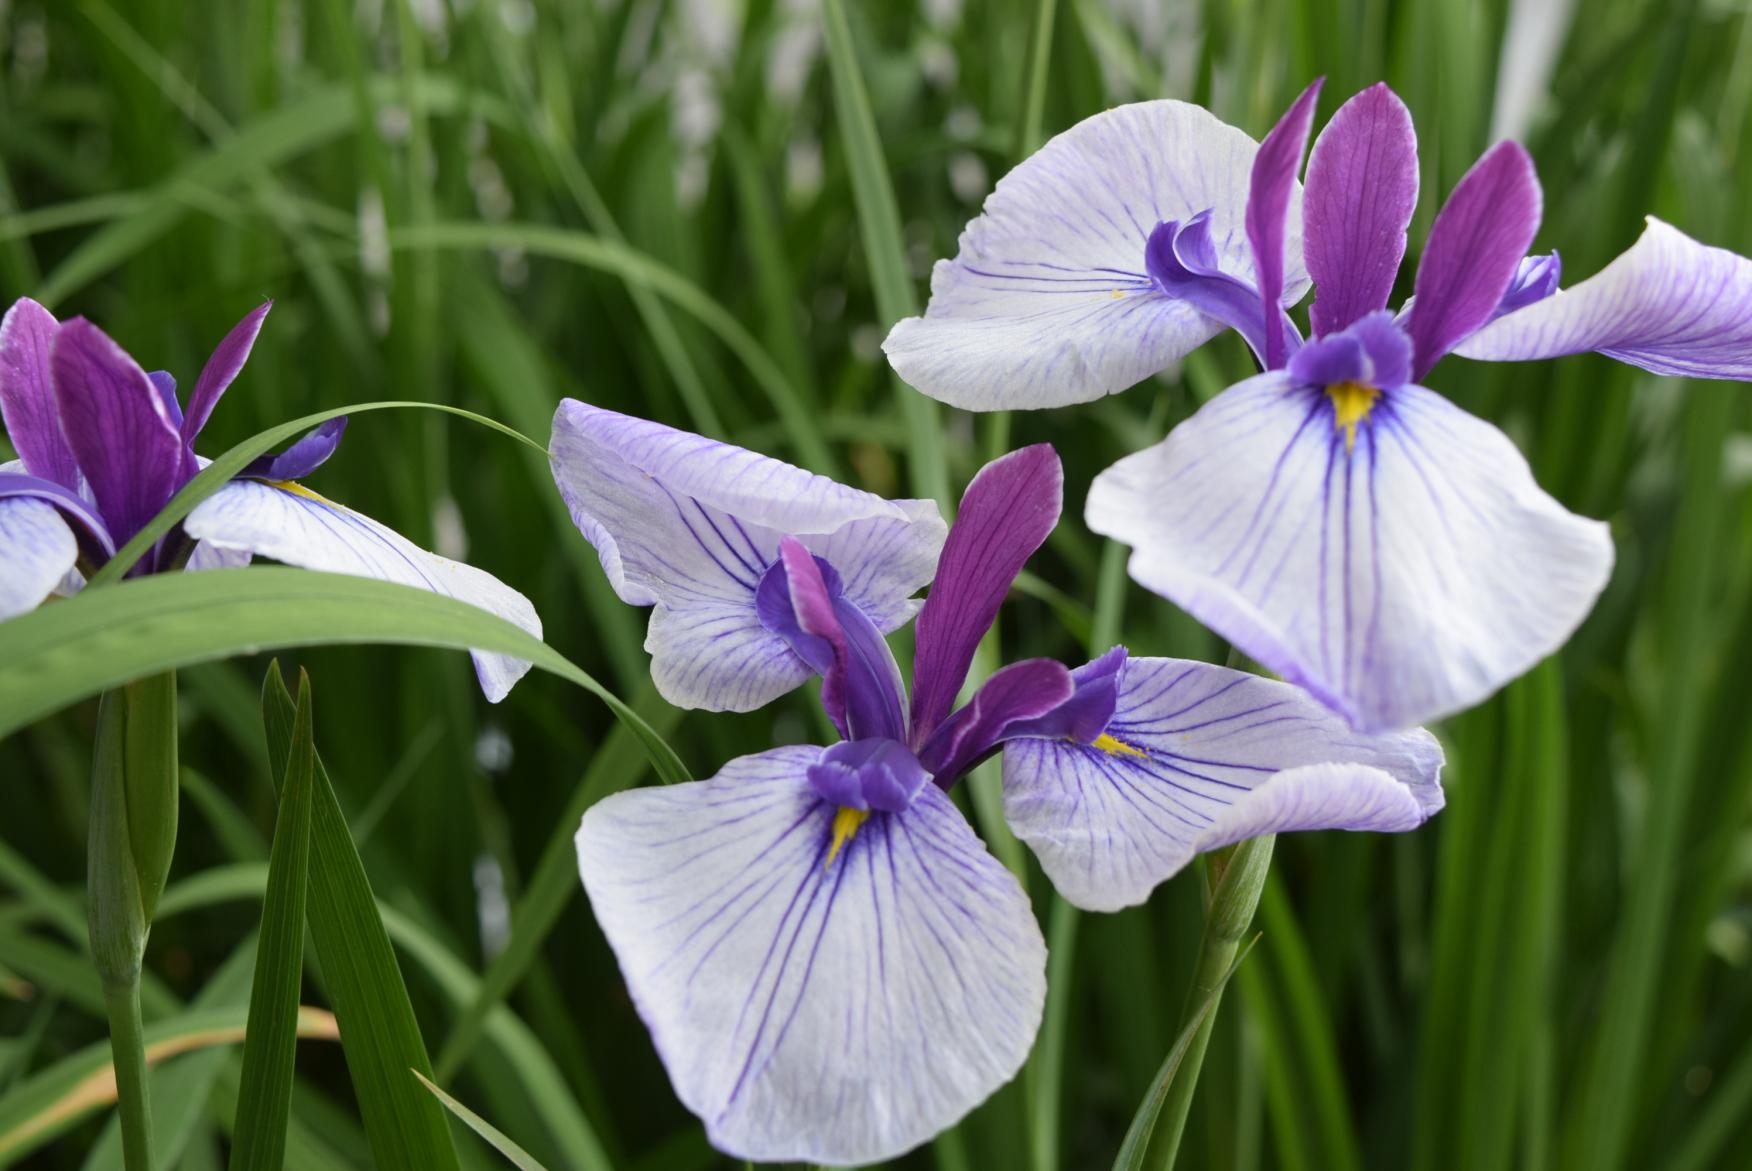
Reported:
(689, 525)
(1399, 581)
(1667, 304)
(1196, 757)
(37, 551)
(295, 525)
(835, 1008)
(1048, 302)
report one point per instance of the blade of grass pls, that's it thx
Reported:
(514, 1154)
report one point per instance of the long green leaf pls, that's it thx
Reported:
(513, 1153)
(264, 1101)
(100, 638)
(379, 1035)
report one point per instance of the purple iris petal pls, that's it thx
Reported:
(1329, 361)
(1474, 251)
(1268, 208)
(1020, 692)
(1356, 204)
(1536, 278)
(861, 687)
(303, 457)
(1182, 261)
(876, 774)
(27, 394)
(1006, 512)
(1372, 352)
(86, 523)
(1084, 716)
(221, 369)
(117, 427)
(165, 385)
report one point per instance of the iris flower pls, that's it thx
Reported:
(103, 446)
(832, 966)
(1346, 527)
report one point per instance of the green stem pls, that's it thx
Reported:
(1240, 880)
(128, 1045)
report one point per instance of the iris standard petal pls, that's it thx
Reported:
(37, 550)
(1357, 203)
(1272, 184)
(27, 394)
(308, 453)
(1019, 694)
(117, 427)
(222, 369)
(1007, 511)
(812, 1005)
(861, 686)
(1196, 757)
(1667, 304)
(1047, 301)
(689, 525)
(1405, 578)
(293, 524)
(1474, 251)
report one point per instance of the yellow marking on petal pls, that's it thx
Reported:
(1116, 295)
(845, 827)
(1351, 404)
(299, 490)
(1115, 747)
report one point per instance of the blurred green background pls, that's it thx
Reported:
(650, 205)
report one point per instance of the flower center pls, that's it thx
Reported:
(1351, 404)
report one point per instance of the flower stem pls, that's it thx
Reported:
(1239, 873)
(128, 1046)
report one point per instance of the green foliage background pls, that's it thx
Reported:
(649, 205)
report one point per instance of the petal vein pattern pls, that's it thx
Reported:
(835, 1012)
(37, 550)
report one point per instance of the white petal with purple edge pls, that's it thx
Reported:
(1667, 304)
(37, 551)
(835, 1011)
(1047, 302)
(1196, 757)
(1400, 581)
(296, 526)
(689, 525)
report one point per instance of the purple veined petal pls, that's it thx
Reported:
(1361, 190)
(1399, 581)
(1536, 278)
(810, 1004)
(1474, 251)
(165, 385)
(1047, 302)
(1195, 757)
(116, 425)
(27, 394)
(1373, 351)
(689, 526)
(861, 686)
(1271, 187)
(88, 527)
(1667, 304)
(874, 775)
(222, 369)
(296, 526)
(1082, 717)
(1021, 692)
(1184, 265)
(308, 453)
(1006, 512)
(37, 551)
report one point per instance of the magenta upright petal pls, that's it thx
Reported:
(1006, 512)
(1356, 204)
(1268, 209)
(27, 394)
(1018, 694)
(860, 687)
(1474, 251)
(221, 369)
(117, 427)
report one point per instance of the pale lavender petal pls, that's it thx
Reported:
(221, 369)
(812, 1005)
(293, 524)
(1047, 301)
(1196, 757)
(1668, 304)
(27, 394)
(87, 525)
(1399, 581)
(1272, 185)
(1361, 189)
(1017, 694)
(37, 550)
(307, 454)
(689, 525)
(1006, 512)
(1474, 251)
